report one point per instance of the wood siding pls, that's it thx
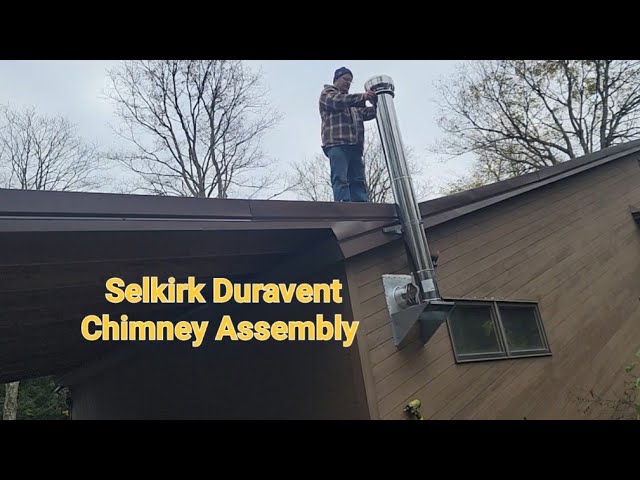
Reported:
(571, 246)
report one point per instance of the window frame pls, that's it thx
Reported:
(506, 353)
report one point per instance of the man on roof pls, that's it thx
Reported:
(342, 131)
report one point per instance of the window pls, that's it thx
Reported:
(486, 330)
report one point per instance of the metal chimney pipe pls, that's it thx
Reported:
(403, 187)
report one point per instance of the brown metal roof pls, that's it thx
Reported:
(58, 248)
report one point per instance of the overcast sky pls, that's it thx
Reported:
(74, 88)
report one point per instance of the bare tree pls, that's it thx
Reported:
(196, 126)
(40, 152)
(10, 409)
(534, 114)
(312, 178)
(485, 170)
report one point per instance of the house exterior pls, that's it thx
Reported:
(544, 271)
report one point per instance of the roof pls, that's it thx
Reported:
(58, 248)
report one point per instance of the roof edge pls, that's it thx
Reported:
(93, 205)
(524, 183)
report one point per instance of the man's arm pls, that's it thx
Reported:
(368, 113)
(333, 100)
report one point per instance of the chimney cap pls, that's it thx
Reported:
(380, 84)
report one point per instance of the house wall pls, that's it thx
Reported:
(573, 247)
(233, 380)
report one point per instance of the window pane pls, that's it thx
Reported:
(473, 330)
(521, 328)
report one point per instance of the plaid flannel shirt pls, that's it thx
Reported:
(343, 116)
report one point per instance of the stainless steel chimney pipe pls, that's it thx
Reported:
(402, 186)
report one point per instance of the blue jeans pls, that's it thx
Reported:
(347, 173)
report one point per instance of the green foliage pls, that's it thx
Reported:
(635, 384)
(624, 406)
(518, 340)
(38, 401)
(487, 328)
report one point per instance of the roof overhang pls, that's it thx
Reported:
(58, 248)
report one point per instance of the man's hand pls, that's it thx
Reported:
(371, 97)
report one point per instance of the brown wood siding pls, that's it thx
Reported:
(571, 246)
